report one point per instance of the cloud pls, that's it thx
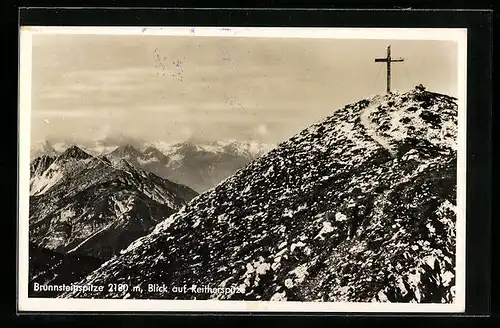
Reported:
(74, 113)
(161, 108)
(111, 75)
(224, 88)
(84, 81)
(186, 132)
(114, 138)
(261, 129)
(58, 95)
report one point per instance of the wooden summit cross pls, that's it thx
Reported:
(388, 60)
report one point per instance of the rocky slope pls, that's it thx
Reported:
(358, 207)
(96, 206)
(39, 181)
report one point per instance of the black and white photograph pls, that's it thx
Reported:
(242, 169)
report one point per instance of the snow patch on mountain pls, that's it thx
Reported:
(39, 185)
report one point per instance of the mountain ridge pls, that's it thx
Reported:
(95, 207)
(196, 164)
(97, 148)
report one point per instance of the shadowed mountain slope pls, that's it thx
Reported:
(92, 206)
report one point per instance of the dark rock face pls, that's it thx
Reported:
(84, 205)
(74, 152)
(49, 267)
(40, 164)
(359, 207)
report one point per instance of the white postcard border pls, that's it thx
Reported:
(127, 305)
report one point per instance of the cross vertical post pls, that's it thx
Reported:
(388, 60)
(389, 69)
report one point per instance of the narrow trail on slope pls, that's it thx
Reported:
(371, 131)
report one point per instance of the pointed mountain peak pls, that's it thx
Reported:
(75, 152)
(187, 145)
(128, 147)
(126, 150)
(152, 151)
(118, 162)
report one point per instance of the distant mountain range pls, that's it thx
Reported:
(199, 166)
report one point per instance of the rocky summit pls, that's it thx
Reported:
(358, 207)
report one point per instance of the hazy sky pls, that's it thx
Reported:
(215, 88)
